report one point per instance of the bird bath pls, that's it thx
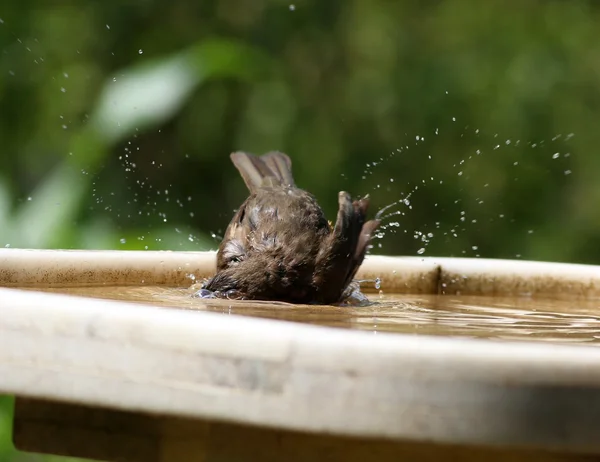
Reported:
(111, 358)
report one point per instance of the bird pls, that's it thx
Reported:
(279, 246)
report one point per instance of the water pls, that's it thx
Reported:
(505, 318)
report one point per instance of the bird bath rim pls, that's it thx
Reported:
(403, 275)
(285, 375)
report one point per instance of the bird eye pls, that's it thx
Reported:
(234, 252)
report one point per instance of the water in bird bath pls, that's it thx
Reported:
(561, 320)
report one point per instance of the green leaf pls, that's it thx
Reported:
(5, 222)
(150, 93)
(53, 208)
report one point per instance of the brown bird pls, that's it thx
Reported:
(280, 247)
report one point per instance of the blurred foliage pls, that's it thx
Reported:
(478, 117)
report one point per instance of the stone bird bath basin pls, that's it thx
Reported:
(137, 381)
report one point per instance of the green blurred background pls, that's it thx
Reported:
(117, 119)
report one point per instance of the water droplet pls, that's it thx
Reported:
(568, 172)
(123, 240)
(63, 89)
(377, 283)
(140, 51)
(421, 251)
(292, 7)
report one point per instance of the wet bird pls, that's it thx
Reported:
(279, 245)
